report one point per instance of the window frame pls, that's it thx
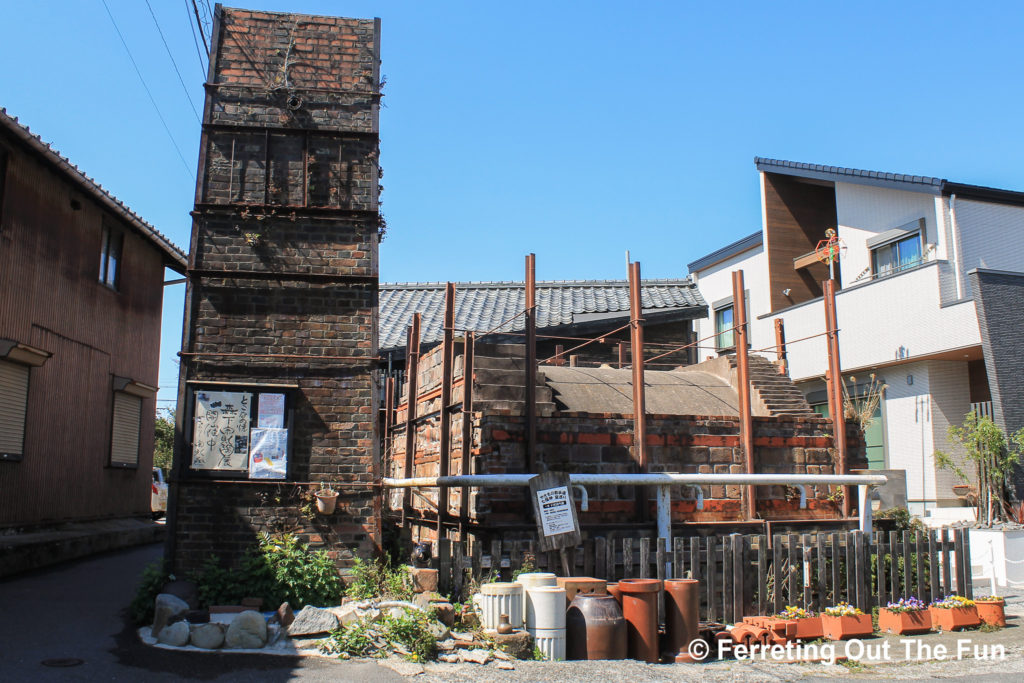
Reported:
(890, 241)
(111, 235)
(113, 421)
(720, 335)
(290, 391)
(20, 456)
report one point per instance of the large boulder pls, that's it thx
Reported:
(207, 636)
(518, 644)
(247, 631)
(175, 634)
(186, 590)
(311, 621)
(167, 609)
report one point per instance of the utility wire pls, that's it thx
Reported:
(195, 39)
(174, 63)
(199, 22)
(151, 99)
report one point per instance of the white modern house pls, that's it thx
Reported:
(915, 249)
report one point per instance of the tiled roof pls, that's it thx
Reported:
(483, 306)
(176, 258)
(728, 251)
(854, 175)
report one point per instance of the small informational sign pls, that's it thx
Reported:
(268, 456)
(555, 512)
(271, 411)
(221, 430)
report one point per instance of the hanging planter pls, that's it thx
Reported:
(844, 621)
(954, 613)
(991, 610)
(909, 615)
(326, 500)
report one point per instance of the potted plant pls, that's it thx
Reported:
(844, 621)
(907, 615)
(953, 613)
(991, 610)
(326, 499)
(808, 626)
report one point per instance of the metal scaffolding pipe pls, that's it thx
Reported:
(646, 479)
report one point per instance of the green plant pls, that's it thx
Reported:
(378, 579)
(538, 656)
(151, 582)
(354, 639)
(163, 444)
(526, 568)
(861, 409)
(994, 458)
(902, 519)
(414, 632)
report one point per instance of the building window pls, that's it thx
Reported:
(126, 426)
(13, 408)
(897, 250)
(724, 334)
(110, 257)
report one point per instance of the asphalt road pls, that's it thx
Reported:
(78, 611)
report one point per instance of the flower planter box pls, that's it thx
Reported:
(844, 628)
(955, 618)
(991, 612)
(809, 628)
(919, 621)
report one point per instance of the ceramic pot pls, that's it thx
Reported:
(954, 619)
(581, 584)
(531, 580)
(919, 621)
(325, 502)
(991, 612)
(550, 642)
(500, 598)
(595, 628)
(546, 608)
(844, 628)
(640, 608)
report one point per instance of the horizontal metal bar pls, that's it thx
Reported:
(653, 479)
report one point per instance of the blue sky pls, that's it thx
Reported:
(572, 130)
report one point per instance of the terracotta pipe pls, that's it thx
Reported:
(613, 590)
(682, 619)
(640, 607)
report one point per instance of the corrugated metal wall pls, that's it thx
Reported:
(51, 298)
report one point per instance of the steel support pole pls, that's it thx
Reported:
(447, 364)
(835, 379)
(639, 396)
(780, 346)
(743, 381)
(622, 355)
(467, 429)
(412, 361)
(531, 364)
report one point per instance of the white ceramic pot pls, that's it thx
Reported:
(545, 608)
(500, 598)
(532, 580)
(550, 642)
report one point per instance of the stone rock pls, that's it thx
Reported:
(347, 614)
(312, 620)
(285, 615)
(423, 600)
(439, 630)
(404, 668)
(423, 580)
(247, 631)
(506, 665)
(207, 636)
(186, 590)
(475, 656)
(446, 644)
(451, 658)
(445, 612)
(519, 644)
(166, 609)
(176, 634)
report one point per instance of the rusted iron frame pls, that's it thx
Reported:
(639, 398)
(469, 340)
(834, 380)
(557, 358)
(412, 358)
(384, 458)
(743, 387)
(587, 343)
(275, 355)
(531, 363)
(622, 355)
(780, 345)
(447, 364)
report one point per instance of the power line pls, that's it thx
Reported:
(195, 39)
(151, 98)
(174, 63)
(200, 23)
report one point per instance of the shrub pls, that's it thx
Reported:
(152, 580)
(411, 632)
(378, 579)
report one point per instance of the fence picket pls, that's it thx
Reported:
(677, 559)
(601, 559)
(947, 578)
(627, 558)
(727, 581)
(762, 574)
(444, 562)
(880, 572)
(920, 548)
(739, 566)
(895, 592)
(805, 569)
(777, 599)
(819, 601)
(710, 574)
(645, 558)
(933, 568)
(834, 538)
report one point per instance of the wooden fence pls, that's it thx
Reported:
(748, 574)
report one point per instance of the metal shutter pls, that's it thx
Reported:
(124, 440)
(13, 401)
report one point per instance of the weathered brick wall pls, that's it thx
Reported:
(284, 274)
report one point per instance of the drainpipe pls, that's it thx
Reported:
(955, 238)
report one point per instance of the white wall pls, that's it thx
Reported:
(715, 283)
(863, 212)
(991, 236)
(951, 400)
(909, 430)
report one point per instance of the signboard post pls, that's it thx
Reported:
(555, 514)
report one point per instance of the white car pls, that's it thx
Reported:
(158, 501)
